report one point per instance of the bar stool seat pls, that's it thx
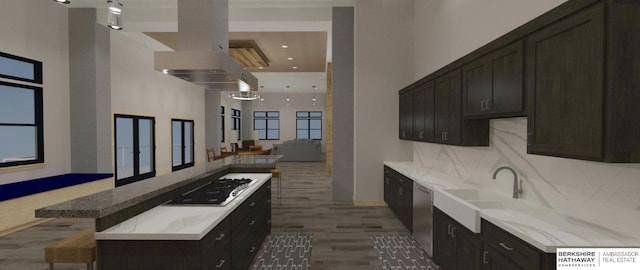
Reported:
(277, 173)
(78, 248)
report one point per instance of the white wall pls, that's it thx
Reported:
(446, 30)
(276, 102)
(603, 194)
(137, 89)
(38, 30)
(383, 65)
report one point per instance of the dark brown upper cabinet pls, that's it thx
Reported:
(450, 127)
(493, 84)
(584, 86)
(406, 115)
(424, 112)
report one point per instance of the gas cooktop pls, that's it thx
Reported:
(218, 192)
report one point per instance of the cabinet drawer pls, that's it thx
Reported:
(512, 247)
(249, 207)
(405, 182)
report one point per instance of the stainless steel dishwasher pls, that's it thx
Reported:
(423, 217)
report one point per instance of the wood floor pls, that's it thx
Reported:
(340, 230)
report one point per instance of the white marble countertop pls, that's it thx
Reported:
(181, 222)
(539, 226)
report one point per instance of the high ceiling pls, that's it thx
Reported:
(303, 25)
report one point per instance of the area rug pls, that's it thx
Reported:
(401, 251)
(285, 251)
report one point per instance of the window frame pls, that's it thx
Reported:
(136, 136)
(309, 118)
(38, 121)
(183, 165)
(266, 118)
(37, 69)
(236, 122)
(222, 123)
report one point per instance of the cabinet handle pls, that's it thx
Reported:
(453, 230)
(269, 201)
(420, 134)
(444, 135)
(482, 105)
(484, 257)
(252, 249)
(268, 221)
(449, 229)
(252, 204)
(220, 264)
(252, 222)
(220, 237)
(400, 180)
(403, 134)
(504, 245)
(487, 105)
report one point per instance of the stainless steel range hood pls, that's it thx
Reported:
(202, 55)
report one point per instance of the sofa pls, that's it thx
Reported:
(298, 150)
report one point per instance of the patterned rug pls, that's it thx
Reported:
(285, 251)
(401, 251)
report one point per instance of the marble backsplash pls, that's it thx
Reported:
(604, 194)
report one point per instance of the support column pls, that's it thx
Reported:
(343, 102)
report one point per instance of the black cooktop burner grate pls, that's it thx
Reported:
(215, 192)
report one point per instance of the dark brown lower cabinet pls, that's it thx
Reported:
(494, 261)
(454, 246)
(506, 251)
(398, 192)
(232, 244)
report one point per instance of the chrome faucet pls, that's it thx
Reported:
(517, 187)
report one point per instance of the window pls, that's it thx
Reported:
(135, 148)
(182, 143)
(21, 134)
(309, 125)
(267, 124)
(235, 122)
(222, 123)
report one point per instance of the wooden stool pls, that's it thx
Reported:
(278, 174)
(78, 248)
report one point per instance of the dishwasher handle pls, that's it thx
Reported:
(421, 188)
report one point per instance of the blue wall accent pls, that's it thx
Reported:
(29, 187)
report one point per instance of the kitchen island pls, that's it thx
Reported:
(192, 236)
(114, 206)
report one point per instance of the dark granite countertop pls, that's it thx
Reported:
(111, 201)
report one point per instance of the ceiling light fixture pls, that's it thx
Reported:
(284, 46)
(66, 2)
(313, 99)
(244, 92)
(294, 67)
(290, 58)
(287, 99)
(115, 6)
(114, 14)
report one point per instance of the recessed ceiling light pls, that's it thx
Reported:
(260, 67)
(294, 67)
(290, 58)
(284, 46)
(63, 1)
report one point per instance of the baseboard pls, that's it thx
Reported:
(369, 203)
(24, 226)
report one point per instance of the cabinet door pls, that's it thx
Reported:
(507, 69)
(469, 250)
(493, 84)
(444, 241)
(564, 80)
(424, 112)
(448, 89)
(495, 261)
(406, 115)
(388, 198)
